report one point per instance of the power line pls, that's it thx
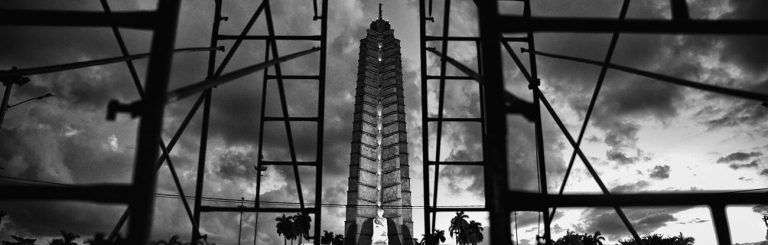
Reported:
(238, 201)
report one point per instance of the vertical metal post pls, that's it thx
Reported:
(320, 119)
(424, 115)
(540, 154)
(720, 219)
(259, 170)
(204, 130)
(495, 144)
(441, 97)
(240, 226)
(201, 164)
(151, 124)
(6, 97)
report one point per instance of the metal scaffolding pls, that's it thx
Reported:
(151, 150)
(497, 31)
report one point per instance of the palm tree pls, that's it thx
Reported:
(301, 225)
(458, 227)
(338, 240)
(284, 225)
(572, 238)
(20, 241)
(683, 240)
(661, 240)
(474, 232)
(596, 239)
(433, 238)
(327, 237)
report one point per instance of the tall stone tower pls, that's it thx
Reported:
(378, 170)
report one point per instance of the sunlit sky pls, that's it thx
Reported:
(644, 136)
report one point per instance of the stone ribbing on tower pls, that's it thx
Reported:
(378, 171)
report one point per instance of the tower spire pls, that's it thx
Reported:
(379, 10)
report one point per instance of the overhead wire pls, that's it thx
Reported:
(232, 200)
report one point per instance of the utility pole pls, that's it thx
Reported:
(259, 170)
(240, 227)
(8, 82)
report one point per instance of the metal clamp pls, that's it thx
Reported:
(115, 107)
(17, 80)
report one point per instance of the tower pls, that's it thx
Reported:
(378, 170)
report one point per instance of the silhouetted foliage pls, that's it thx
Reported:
(657, 239)
(292, 227)
(474, 232)
(330, 238)
(67, 238)
(301, 225)
(572, 238)
(338, 239)
(466, 232)
(433, 238)
(458, 227)
(327, 237)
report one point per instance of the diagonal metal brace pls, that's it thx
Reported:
(512, 103)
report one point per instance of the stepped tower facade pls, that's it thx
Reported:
(378, 170)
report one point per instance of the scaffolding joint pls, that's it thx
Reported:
(14, 79)
(115, 107)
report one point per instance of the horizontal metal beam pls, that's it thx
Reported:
(254, 209)
(198, 87)
(518, 200)
(472, 39)
(515, 39)
(287, 163)
(106, 193)
(292, 119)
(457, 209)
(517, 24)
(455, 119)
(134, 19)
(308, 77)
(433, 77)
(454, 38)
(82, 64)
(267, 37)
(458, 163)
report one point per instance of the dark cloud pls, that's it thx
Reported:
(745, 51)
(236, 164)
(620, 157)
(752, 164)
(653, 222)
(645, 220)
(660, 172)
(742, 113)
(632, 187)
(764, 172)
(738, 156)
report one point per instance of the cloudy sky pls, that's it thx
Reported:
(644, 136)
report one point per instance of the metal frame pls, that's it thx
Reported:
(140, 194)
(272, 59)
(497, 103)
(154, 96)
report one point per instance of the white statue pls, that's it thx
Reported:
(379, 229)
